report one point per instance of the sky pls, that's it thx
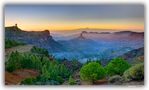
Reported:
(75, 16)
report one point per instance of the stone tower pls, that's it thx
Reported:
(16, 25)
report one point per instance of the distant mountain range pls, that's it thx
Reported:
(121, 35)
(100, 35)
(83, 45)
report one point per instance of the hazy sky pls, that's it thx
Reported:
(67, 17)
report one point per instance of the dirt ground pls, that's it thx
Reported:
(21, 49)
(14, 78)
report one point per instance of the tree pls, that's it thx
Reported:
(117, 66)
(18, 60)
(92, 71)
(11, 43)
(14, 61)
(28, 81)
(54, 71)
(71, 81)
(136, 72)
(41, 51)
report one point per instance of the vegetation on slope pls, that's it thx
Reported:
(134, 73)
(117, 66)
(55, 72)
(41, 51)
(23, 60)
(51, 71)
(92, 71)
(11, 43)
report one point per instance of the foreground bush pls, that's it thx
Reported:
(89, 60)
(117, 66)
(18, 60)
(14, 61)
(54, 71)
(116, 79)
(51, 71)
(92, 71)
(31, 61)
(134, 73)
(71, 81)
(28, 81)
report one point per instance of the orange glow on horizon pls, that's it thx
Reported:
(36, 26)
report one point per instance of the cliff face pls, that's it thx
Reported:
(38, 38)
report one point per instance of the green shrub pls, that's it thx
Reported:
(40, 51)
(92, 71)
(117, 66)
(116, 79)
(11, 43)
(28, 81)
(89, 60)
(18, 60)
(71, 81)
(59, 79)
(14, 61)
(51, 72)
(10, 67)
(42, 81)
(31, 61)
(54, 71)
(136, 72)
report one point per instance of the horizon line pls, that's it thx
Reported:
(76, 29)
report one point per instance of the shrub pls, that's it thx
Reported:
(89, 60)
(136, 72)
(28, 81)
(14, 61)
(116, 79)
(31, 61)
(10, 67)
(71, 81)
(54, 71)
(51, 82)
(92, 71)
(40, 51)
(11, 43)
(59, 79)
(18, 60)
(72, 65)
(117, 66)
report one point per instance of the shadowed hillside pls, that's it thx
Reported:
(39, 38)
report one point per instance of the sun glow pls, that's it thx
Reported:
(36, 26)
(66, 17)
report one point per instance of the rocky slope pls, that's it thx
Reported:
(135, 54)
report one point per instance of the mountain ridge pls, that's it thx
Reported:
(39, 38)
